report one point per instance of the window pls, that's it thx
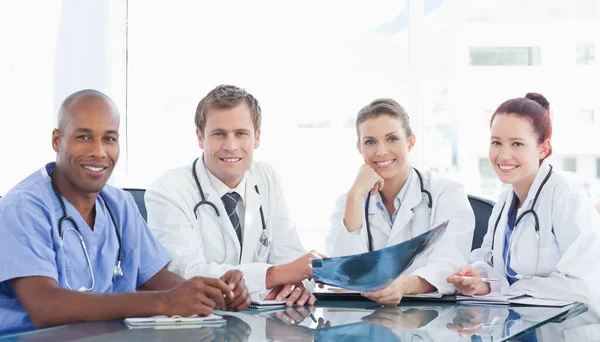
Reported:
(310, 77)
(504, 56)
(485, 168)
(570, 164)
(585, 54)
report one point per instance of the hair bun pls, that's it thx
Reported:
(540, 99)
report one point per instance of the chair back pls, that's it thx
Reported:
(138, 196)
(482, 208)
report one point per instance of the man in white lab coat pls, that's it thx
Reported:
(225, 211)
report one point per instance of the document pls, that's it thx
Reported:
(332, 291)
(510, 299)
(161, 322)
(374, 270)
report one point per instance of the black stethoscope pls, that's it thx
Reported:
(118, 270)
(490, 256)
(369, 235)
(264, 239)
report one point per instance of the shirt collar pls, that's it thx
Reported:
(401, 195)
(221, 189)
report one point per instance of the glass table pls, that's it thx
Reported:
(355, 321)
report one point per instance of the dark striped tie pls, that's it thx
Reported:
(230, 201)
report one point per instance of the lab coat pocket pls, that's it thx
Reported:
(261, 252)
(542, 265)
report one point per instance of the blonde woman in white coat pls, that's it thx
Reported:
(404, 203)
(543, 237)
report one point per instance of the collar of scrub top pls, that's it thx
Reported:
(118, 270)
(397, 201)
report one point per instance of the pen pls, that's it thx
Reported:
(485, 280)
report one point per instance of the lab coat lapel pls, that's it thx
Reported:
(212, 196)
(405, 214)
(376, 220)
(252, 220)
(537, 182)
(499, 236)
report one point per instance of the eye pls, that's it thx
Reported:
(82, 137)
(219, 134)
(518, 144)
(369, 142)
(496, 142)
(392, 139)
(242, 133)
(111, 139)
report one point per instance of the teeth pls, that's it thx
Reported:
(231, 160)
(385, 163)
(95, 169)
(507, 167)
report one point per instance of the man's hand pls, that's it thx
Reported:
(468, 281)
(198, 295)
(241, 298)
(295, 294)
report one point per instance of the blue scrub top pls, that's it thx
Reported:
(31, 246)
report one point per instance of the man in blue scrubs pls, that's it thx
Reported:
(88, 267)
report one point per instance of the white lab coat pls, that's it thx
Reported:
(569, 243)
(208, 246)
(445, 257)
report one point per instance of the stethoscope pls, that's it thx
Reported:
(264, 239)
(117, 271)
(489, 258)
(369, 235)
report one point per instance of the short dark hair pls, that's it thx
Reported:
(226, 96)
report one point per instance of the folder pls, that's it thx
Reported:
(174, 322)
(514, 300)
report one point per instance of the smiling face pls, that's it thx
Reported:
(228, 141)
(87, 144)
(515, 151)
(384, 145)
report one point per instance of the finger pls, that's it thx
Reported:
(273, 294)
(235, 279)
(285, 292)
(303, 298)
(321, 255)
(293, 298)
(206, 301)
(311, 300)
(391, 299)
(241, 302)
(214, 294)
(220, 285)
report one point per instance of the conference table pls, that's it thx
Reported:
(413, 320)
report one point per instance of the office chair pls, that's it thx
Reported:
(482, 208)
(138, 196)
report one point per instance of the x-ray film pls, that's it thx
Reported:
(375, 270)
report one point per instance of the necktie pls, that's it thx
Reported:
(230, 201)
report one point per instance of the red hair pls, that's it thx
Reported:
(533, 107)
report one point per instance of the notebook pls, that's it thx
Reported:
(162, 322)
(509, 299)
(260, 304)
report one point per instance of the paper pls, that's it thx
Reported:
(174, 321)
(509, 299)
(375, 270)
